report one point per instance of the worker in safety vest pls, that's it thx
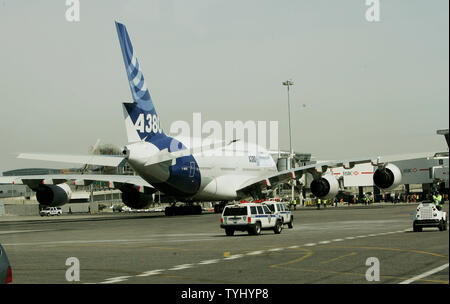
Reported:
(437, 199)
(319, 201)
(324, 203)
(295, 204)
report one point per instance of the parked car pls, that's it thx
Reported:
(5, 267)
(279, 208)
(50, 211)
(428, 215)
(250, 217)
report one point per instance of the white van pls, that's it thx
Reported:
(428, 215)
(251, 217)
(279, 208)
(51, 211)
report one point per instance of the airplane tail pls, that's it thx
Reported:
(141, 120)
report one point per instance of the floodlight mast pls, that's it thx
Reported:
(289, 83)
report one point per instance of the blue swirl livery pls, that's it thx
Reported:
(143, 125)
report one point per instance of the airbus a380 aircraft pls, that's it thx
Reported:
(177, 168)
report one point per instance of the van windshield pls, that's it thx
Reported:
(235, 211)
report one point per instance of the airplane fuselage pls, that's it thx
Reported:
(214, 174)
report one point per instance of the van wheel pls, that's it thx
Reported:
(229, 232)
(291, 223)
(442, 225)
(256, 230)
(278, 227)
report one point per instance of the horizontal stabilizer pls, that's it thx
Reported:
(114, 181)
(98, 160)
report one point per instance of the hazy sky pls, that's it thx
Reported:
(368, 88)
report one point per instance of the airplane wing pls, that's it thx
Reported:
(98, 160)
(316, 170)
(114, 181)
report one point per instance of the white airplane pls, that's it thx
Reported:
(177, 168)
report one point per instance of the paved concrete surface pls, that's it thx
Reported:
(325, 246)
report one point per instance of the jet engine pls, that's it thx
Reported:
(53, 195)
(387, 178)
(325, 187)
(133, 198)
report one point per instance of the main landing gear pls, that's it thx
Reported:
(188, 209)
(218, 207)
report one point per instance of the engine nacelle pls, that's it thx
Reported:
(326, 187)
(135, 199)
(388, 178)
(53, 195)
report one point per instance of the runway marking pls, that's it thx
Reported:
(150, 273)
(310, 244)
(207, 262)
(228, 256)
(394, 249)
(183, 266)
(338, 258)
(425, 274)
(158, 247)
(362, 275)
(105, 242)
(233, 257)
(20, 231)
(275, 249)
(307, 255)
(116, 280)
(255, 252)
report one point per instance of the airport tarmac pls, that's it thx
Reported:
(328, 246)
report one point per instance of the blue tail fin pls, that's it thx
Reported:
(144, 124)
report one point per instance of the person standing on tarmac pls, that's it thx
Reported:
(437, 199)
(295, 204)
(318, 203)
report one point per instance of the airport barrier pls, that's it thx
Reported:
(2, 208)
(21, 210)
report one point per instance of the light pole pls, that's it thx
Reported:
(289, 83)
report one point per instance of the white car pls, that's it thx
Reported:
(251, 217)
(428, 215)
(283, 211)
(51, 211)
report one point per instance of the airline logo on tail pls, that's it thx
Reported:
(144, 119)
(138, 87)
